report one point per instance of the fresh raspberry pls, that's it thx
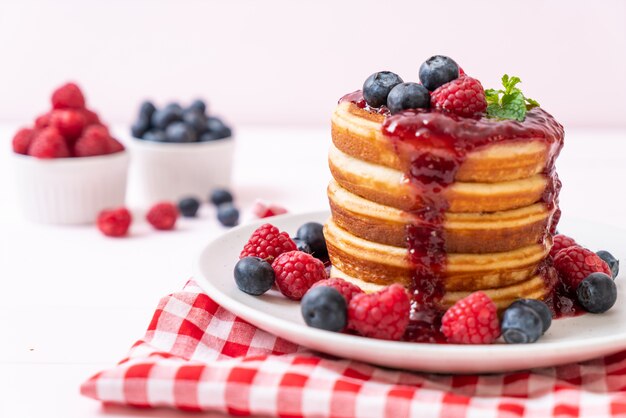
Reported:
(575, 263)
(347, 289)
(264, 210)
(68, 96)
(559, 242)
(472, 320)
(43, 121)
(48, 143)
(70, 123)
(296, 272)
(22, 140)
(113, 145)
(267, 242)
(464, 96)
(95, 140)
(383, 315)
(91, 117)
(114, 222)
(163, 215)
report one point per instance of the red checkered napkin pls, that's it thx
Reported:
(197, 356)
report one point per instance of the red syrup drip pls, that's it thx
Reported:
(357, 99)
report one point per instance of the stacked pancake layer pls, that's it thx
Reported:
(489, 220)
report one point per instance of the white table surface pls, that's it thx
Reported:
(72, 301)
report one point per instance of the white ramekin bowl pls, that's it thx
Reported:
(169, 171)
(70, 191)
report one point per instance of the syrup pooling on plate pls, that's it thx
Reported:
(433, 145)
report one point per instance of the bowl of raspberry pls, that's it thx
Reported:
(179, 151)
(68, 166)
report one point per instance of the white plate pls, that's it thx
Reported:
(568, 340)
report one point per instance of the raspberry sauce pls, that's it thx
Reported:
(433, 145)
(357, 99)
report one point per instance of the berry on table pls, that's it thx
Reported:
(408, 96)
(471, 320)
(313, 234)
(575, 263)
(437, 71)
(597, 293)
(324, 308)
(540, 307)
(377, 87)
(347, 289)
(220, 196)
(559, 242)
(267, 242)
(254, 276)
(383, 314)
(22, 139)
(521, 325)
(68, 96)
(228, 214)
(264, 210)
(180, 132)
(114, 222)
(162, 216)
(48, 143)
(188, 207)
(612, 262)
(464, 96)
(296, 272)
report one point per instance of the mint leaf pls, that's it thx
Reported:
(509, 103)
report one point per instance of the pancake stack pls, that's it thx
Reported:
(444, 205)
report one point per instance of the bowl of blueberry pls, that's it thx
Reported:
(179, 151)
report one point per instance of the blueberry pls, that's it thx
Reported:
(227, 214)
(220, 196)
(164, 117)
(408, 96)
(180, 132)
(198, 105)
(254, 276)
(611, 261)
(597, 293)
(189, 206)
(521, 325)
(174, 106)
(377, 87)
(540, 307)
(146, 110)
(313, 234)
(325, 308)
(302, 245)
(437, 71)
(218, 127)
(210, 136)
(140, 127)
(155, 135)
(195, 120)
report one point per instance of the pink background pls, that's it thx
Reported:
(283, 62)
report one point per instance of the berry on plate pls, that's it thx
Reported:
(521, 324)
(254, 276)
(296, 272)
(471, 320)
(560, 242)
(228, 214)
(302, 245)
(463, 96)
(68, 96)
(377, 87)
(162, 216)
(437, 71)
(347, 289)
(313, 234)
(114, 222)
(540, 307)
(575, 263)
(324, 308)
(609, 259)
(408, 96)
(597, 293)
(383, 315)
(188, 207)
(22, 139)
(267, 242)
(219, 196)
(48, 143)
